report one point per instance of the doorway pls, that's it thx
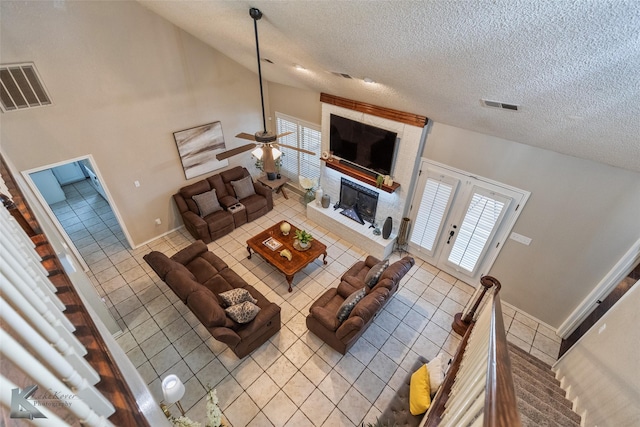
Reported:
(72, 194)
(460, 221)
(632, 279)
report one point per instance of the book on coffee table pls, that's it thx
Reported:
(272, 243)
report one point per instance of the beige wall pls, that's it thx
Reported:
(298, 103)
(602, 370)
(122, 80)
(582, 217)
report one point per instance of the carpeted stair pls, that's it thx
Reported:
(541, 401)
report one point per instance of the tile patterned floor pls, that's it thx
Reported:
(294, 379)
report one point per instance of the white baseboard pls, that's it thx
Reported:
(159, 236)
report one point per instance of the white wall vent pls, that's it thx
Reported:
(502, 105)
(21, 87)
(345, 75)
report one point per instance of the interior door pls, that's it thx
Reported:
(460, 220)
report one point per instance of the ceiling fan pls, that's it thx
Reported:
(265, 145)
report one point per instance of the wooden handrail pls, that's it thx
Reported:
(500, 406)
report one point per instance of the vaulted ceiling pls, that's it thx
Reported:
(572, 67)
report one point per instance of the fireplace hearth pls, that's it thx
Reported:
(357, 202)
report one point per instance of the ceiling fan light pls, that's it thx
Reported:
(257, 153)
(276, 153)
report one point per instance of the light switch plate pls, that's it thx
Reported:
(520, 238)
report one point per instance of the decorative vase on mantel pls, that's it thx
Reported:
(319, 194)
(309, 195)
(386, 228)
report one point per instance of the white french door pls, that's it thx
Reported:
(460, 221)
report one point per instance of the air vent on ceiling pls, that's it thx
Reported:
(21, 87)
(502, 105)
(345, 75)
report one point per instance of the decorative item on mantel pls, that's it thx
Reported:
(386, 227)
(319, 194)
(326, 201)
(309, 185)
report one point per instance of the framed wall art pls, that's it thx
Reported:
(198, 147)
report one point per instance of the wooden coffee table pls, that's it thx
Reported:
(299, 259)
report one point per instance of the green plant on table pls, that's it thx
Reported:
(303, 237)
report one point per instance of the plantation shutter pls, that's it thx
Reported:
(483, 214)
(306, 136)
(310, 165)
(436, 197)
(289, 158)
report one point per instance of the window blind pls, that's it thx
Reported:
(433, 206)
(477, 228)
(306, 136)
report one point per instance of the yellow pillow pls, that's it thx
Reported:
(419, 391)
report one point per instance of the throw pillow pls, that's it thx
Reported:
(244, 312)
(347, 306)
(236, 296)
(374, 274)
(419, 393)
(437, 370)
(207, 203)
(243, 187)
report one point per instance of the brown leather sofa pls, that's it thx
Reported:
(322, 319)
(224, 221)
(197, 276)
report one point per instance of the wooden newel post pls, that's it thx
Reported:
(460, 324)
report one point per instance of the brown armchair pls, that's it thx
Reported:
(322, 319)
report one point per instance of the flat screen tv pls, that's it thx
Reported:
(365, 145)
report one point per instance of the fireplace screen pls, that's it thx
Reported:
(358, 202)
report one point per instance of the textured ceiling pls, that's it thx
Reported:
(572, 66)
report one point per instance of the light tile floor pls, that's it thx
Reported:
(294, 379)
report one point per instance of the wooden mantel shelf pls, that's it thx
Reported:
(360, 176)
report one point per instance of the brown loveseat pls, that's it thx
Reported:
(323, 313)
(197, 276)
(222, 221)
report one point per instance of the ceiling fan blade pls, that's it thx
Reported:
(230, 153)
(302, 150)
(283, 134)
(245, 135)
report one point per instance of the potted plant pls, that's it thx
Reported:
(259, 164)
(304, 239)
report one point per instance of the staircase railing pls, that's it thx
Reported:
(478, 389)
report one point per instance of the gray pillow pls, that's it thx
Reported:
(244, 312)
(236, 296)
(207, 202)
(347, 306)
(243, 187)
(375, 272)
